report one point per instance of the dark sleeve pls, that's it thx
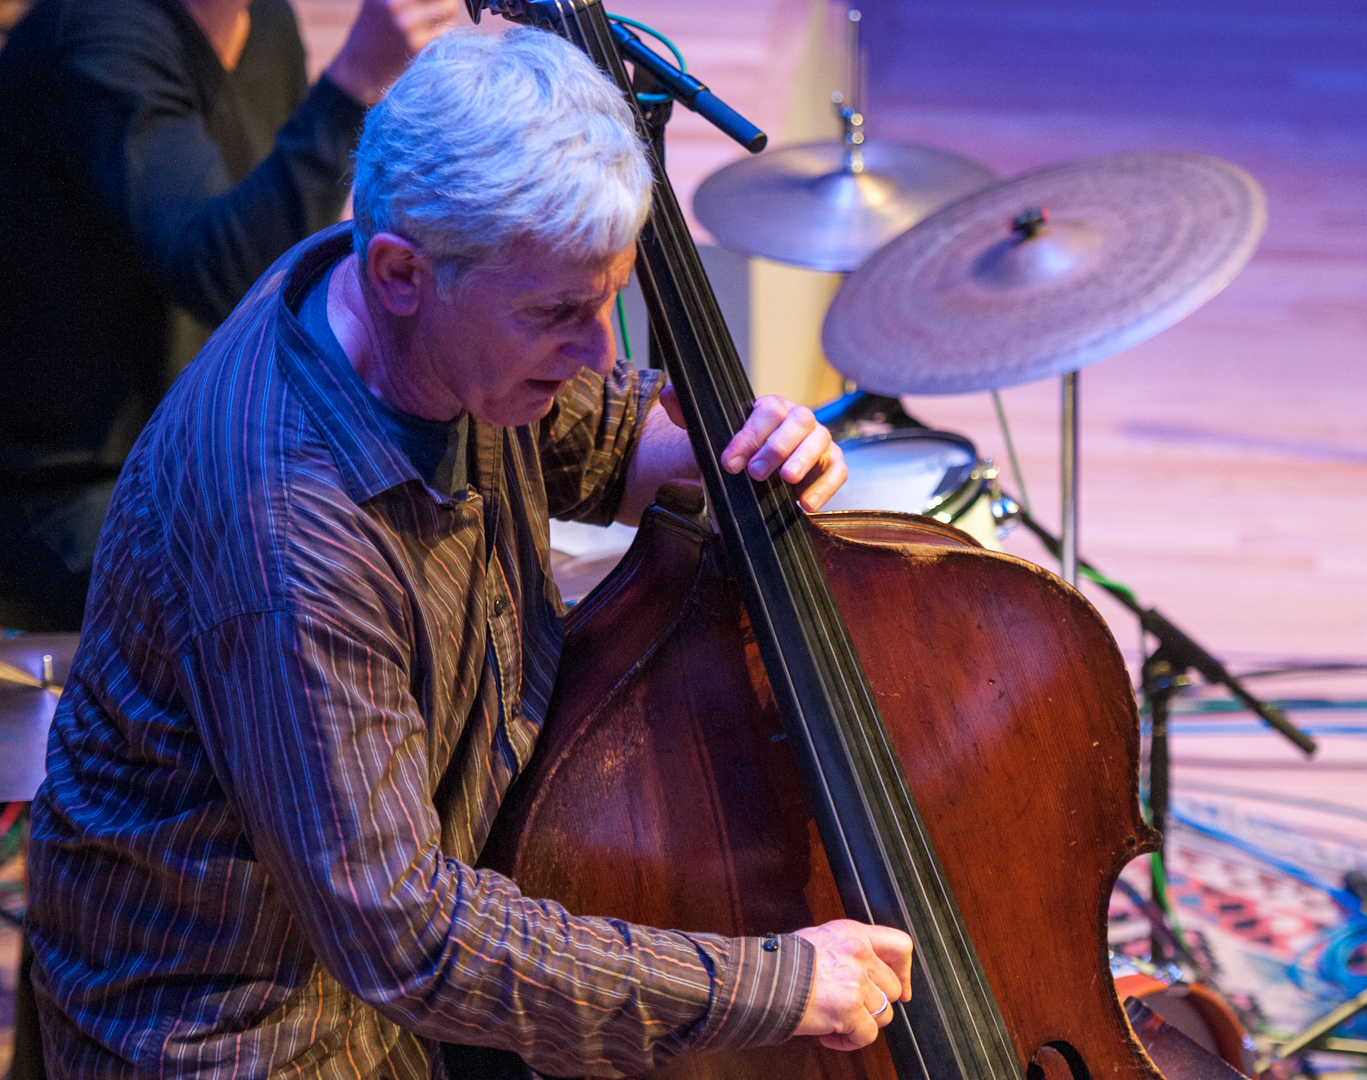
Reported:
(588, 439)
(127, 114)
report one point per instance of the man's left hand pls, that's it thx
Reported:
(781, 436)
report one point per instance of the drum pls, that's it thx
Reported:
(583, 555)
(915, 470)
(1196, 1011)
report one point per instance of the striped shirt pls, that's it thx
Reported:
(304, 684)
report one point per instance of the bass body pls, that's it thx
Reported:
(663, 789)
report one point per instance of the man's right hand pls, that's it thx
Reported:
(856, 964)
(384, 37)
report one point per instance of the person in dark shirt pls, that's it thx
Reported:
(155, 157)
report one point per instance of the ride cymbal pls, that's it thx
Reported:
(1045, 273)
(802, 205)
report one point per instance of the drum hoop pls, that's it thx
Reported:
(957, 490)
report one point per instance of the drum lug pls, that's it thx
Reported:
(1006, 512)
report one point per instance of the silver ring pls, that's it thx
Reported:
(884, 1009)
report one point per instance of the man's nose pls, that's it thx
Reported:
(596, 346)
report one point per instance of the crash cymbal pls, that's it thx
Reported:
(32, 670)
(801, 205)
(1045, 273)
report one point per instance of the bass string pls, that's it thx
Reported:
(731, 390)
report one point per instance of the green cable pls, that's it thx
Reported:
(1160, 897)
(622, 322)
(1109, 583)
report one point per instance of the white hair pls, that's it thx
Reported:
(488, 140)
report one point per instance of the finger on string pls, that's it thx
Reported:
(824, 482)
(784, 441)
(808, 453)
(764, 419)
(893, 949)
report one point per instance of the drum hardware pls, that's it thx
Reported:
(898, 463)
(858, 413)
(830, 205)
(1006, 512)
(1317, 1037)
(33, 668)
(1180, 651)
(1195, 1009)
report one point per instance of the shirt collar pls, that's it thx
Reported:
(339, 405)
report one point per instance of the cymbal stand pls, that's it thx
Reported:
(1069, 456)
(849, 108)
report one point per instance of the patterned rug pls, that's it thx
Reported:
(1258, 845)
(1259, 842)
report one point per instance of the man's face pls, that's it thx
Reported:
(508, 340)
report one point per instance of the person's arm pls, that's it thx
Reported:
(779, 436)
(127, 115)
(609, 444)
(308, 718)
(589, 438)
(384, 37)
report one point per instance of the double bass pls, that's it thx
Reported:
(743, 716)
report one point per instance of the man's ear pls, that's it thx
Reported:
(394, 268)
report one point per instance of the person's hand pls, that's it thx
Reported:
(384, 37)
(856, 965)
(783, 436)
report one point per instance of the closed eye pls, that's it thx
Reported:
(565, 314)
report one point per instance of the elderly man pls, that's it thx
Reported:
(322, 635)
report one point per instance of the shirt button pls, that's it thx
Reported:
(500, 605)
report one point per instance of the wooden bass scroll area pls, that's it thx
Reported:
(663, 791)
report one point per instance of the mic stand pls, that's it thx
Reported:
(1164, 671)
(562, 15)
(688, 91)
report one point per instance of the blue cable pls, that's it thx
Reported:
(1339, 944)
(1342, 897)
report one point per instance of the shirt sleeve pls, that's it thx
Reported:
(587, 441)
(321, 750)
(128, 118)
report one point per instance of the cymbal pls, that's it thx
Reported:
(1045, 273)
(801, 205)
(32, 670)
